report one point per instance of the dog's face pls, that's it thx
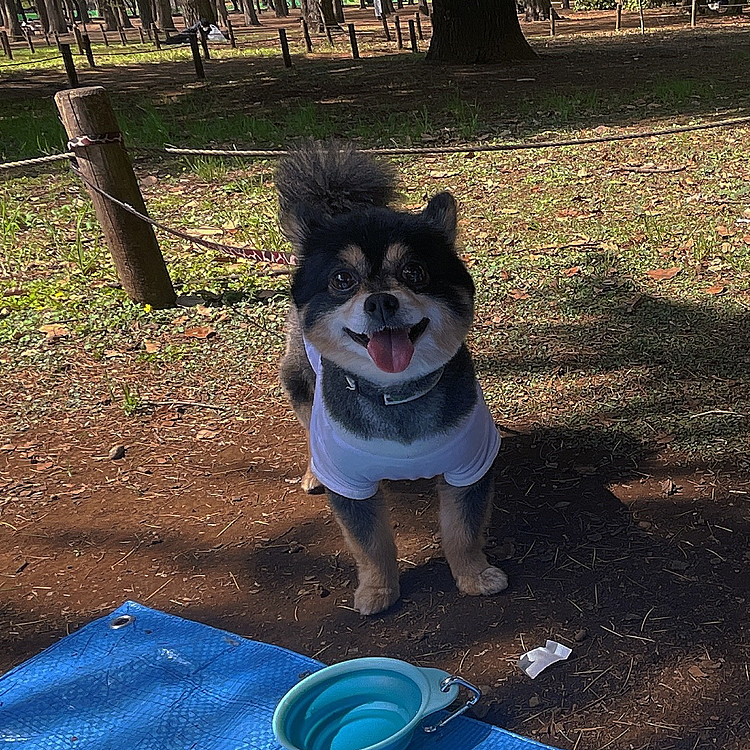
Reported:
(383, 294)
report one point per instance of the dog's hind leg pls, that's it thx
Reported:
(464, 514)
(368, 533)
(298, 381)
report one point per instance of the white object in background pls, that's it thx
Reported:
(538, 659)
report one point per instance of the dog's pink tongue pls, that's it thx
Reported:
(391, 350)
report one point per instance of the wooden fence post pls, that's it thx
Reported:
(551, 21)
(413, 36)
(78, 38)
(353, 41)
(123, 38)
(230, 31)
(132, 243)
(419, 27)
(285, 48)
(104, 35)
(87, 49)
(6, 44)
(399, 37)
(140, 33)
(199, 71)
(70, 68)
(306, 34)
(692, 13)
(155, 32)
(328, 35)
(46, 39)
(30, 42)
(204, 44)
(618, 17)
(386, 29)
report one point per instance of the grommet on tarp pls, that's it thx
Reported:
(122, 622)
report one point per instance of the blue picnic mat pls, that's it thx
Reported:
(164, 683)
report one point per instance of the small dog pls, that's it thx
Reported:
(376, 367)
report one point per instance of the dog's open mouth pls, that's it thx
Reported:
(391, 349)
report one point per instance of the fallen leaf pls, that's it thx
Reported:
(716, 289)
(696, 671)
(664, 438)
(518, 294)
(179, 320)
(722, 231)
(574, 271)
(663, 274)
(200, 332)
(149, 180)
(504, 275)
(151, 346)
(668, 487)
(208, 231)
(632, 303)
(746, 239)
(54, 331)
(206, 434)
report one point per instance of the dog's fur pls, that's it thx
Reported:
(364, 269)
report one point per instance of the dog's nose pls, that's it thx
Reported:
(381, 307)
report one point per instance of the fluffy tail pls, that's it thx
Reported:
(331, 179)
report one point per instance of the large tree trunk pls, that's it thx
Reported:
(312, 13)
(251, 17)
(11, 15)
(108, 14)
(145, 14)
(164, 18)
(195, 10)
(467, 32)
(338, 11)
(55, 15)
(43, 18)
(539, 10)
(281, 8)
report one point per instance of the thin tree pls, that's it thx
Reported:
(248, 9)
(164, 19)
(55, 15)
(467, 32)
(11, 16)
(195, 10)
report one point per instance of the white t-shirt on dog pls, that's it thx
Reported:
(352, 466)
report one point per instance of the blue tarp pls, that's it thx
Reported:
(164, 683)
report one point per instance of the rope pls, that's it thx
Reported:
(267, 256)
(48, 58)
(276, 153)
(33, 162)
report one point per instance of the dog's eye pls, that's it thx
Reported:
(343, 281)
(414, 274)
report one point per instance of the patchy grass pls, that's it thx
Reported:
(573, 331)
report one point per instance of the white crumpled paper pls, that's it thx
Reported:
(538, 659)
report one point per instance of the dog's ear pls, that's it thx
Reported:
(298, 222)
(442, 212)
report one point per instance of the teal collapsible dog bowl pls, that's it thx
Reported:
(365, 704)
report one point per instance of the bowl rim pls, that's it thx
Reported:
(347, 667)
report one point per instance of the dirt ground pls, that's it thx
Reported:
(642, 570)
(638, 564)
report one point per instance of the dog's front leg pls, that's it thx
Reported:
(464, 514)
(368, 533)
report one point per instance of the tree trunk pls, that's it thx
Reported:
(145, 14)
(539, 10)
(55, 15)
(83, 11)
(11, 15)
(329, 14)
(467, 32)
(164, 18)
(108, 14)
(122, 12)
(338, 11)
(251, 17)
(195, 10)
(281, 8)
(312, 13)
(221, 9)
(43, 18)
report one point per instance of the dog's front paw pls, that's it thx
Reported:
(490, 581)
(310, 483)
(369, 600)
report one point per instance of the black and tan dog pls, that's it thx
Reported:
(376, 367)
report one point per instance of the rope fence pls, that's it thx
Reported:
(406, 151)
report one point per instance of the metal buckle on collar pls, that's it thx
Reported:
(445, 686)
